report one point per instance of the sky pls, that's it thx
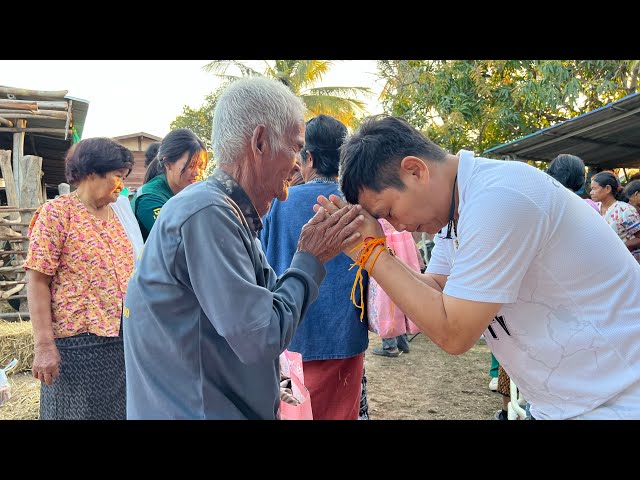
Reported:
(131, 96)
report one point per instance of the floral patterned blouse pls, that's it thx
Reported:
(625, 221)
(90, 261)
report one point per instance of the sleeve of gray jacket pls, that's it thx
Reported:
(223, 266)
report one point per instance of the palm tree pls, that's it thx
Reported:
(300, 76)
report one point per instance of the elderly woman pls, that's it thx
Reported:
(180, 161)
(622, 217)
(78, 265)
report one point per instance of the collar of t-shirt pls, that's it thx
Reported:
(465, 170)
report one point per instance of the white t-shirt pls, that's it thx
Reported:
(568, 333)
(123, 211)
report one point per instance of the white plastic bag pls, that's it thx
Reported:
(5, 388)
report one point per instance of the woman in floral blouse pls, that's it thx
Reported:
(78, 266)
(622, 217)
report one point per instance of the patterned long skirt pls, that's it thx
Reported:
(91, 385)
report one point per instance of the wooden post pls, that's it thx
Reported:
(29, 197)
(9, 182)
(32, 172)
(18, 151)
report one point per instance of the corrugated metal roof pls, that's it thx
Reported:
(608, 137)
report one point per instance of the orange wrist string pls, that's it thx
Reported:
(367, 248)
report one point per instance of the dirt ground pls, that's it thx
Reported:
(424, 384)
(430, 384)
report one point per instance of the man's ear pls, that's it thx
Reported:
(259, 139)
(413, 168)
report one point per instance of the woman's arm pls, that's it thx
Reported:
(46, 361)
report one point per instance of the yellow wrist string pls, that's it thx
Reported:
(367, 248)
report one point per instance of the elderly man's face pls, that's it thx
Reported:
(283, 165)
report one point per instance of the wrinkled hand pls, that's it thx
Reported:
(369, 227)
(325, 236)
(46, 363)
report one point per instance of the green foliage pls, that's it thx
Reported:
(301, 76)
(200, 122)
(345, 103)
(478, 104)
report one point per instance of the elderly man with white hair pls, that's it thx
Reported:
(205, 316)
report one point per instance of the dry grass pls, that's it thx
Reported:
(24, 403)
(430, 384)
(16, 341)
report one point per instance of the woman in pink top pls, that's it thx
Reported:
(78, 266)
(622, 217)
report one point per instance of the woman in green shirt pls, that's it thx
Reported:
(181, 161)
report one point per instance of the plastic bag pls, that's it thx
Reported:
(291, 367)
(385, 318)
(5, 388)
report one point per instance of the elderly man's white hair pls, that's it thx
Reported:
(245, 104)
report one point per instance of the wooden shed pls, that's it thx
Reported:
(137, 143)
(43, 124)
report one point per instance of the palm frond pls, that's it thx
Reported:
(219, 67)
(333, 103)
(310, 72)
(300, 76)
(228, 78)
(341, 91)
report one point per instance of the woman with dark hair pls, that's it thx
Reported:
(180, 161)
(569, 170)
(622, 217)
(78, 265)
(632, 192)
(150, 153)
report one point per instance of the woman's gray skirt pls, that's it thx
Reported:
(91, 385)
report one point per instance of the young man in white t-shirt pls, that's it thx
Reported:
(509, 263)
